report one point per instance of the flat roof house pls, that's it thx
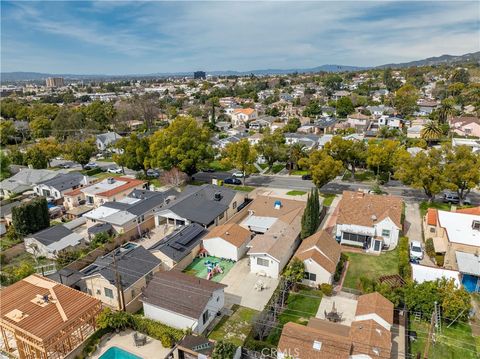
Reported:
(369, 221)
(135, 266)
(44, 319)
(183, 301)
(368, 336)
(178, 249)
(320, 254)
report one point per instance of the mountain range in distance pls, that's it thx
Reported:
(439, 60)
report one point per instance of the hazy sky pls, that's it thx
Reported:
(113, 37)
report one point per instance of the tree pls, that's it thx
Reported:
(431, 132)
(460, 75)
(68, 124)
(406, 99)
(311, 215)
(36, 158)
(272, 146)
(424, 171)
(50, 148)
(323, 167)
(7, 131)
(4, 166)
(296, 152)
(30, 217)
(344, 107)
(295, 271)
(380, 155)
(447, 108)
(332, 83)
(241, 155)
(462, 170)
(101, 113)
(313, 109)
(293, 124)
(134, 153)
(41, 127)
(174, 177)
(352, 153)
(184, 144)
(80, 152)
(224, 350)
(391, 83)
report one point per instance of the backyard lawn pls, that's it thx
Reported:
(301, 306)
(235, 328)
(370, 266)
(452, 343)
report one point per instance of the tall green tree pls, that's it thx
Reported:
(380, 155)
(296, 152)
(431, 132)
(406, 99)
(272, 146)
(323, 167)
(36, 158)
(462, 170)
(4, 165)
(30, 217)
(7, 131)
(344, 107)
(80, 151)
(241, 155)
(184, 144)
(311, 215)
(352, 153)
(41, 127)
(134, 153)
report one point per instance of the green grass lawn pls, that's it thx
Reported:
(370, 266)
(277, 168)
(236, 328)
(103, 175)
(299, 172)
(452, 343)
(263, 165)
(301, 306)
(360, 176)
(327, 198)
(240, 188)
(296, 193)
(219, 166)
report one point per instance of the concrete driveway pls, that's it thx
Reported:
(241, 287)
(413, 228)
(344, 304)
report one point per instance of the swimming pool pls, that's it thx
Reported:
(118, 353)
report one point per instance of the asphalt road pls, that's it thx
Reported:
(77, 167)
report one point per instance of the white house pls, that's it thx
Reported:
(242, 115)
(369, 221)
(104, 140)
(227, 241)
(183, 301)
(320, 254)
(57, 186)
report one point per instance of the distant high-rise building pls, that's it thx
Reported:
(199, 75)
(55, 82)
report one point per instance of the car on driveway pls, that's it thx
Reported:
(90, 166)
(238, 174)
(453, 198)
(114, 170)
(416, 251)
(234, 181)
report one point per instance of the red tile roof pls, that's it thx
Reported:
(432, 216)
(130, 183)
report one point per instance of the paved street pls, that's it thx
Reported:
(77, 167)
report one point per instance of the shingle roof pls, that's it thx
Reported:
(65, 181)
(367, 209)
(52, 234)
(375, 303)
(180, 243)
(322, 249)
(231, 232)
(180, 293)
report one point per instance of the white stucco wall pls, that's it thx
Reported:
(273, 266)
(323, 276)
(220, 248)
(387, 224)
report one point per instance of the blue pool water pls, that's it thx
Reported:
(117, 353)
(470, 283)
(50, 205)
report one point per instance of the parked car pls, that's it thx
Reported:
(90, 166)
(238, 174)
(114, 170)
(153, 173)
(65, 165)
(209, 170)
(306, 177)
(416, 251)
(453, 198)
(234, 181)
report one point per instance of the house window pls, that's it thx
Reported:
(234, 205)
(262, 262)
(310, 276)
(354, 237)
(385, 233)
(476, 225)
(108, 293)
(432, 230)
(205, 316)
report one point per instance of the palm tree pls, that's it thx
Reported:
(295, 153)
(431, 132)
(446, 108)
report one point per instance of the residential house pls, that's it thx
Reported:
(325, 125)
(183, 301)
(227, 241)
(474, 144)
(320, 254)
(369, 221)
(358, 121)
(49, 242)
(277, 223)
(469, 267)
(241, 116)
(125, 271)
(452, 232)
(24, 181)
(379, 110)
(178, 249)
(337, 95)
(57, 186)
(465, 126)
(110, 189)
(310, 141)
(6, 215)
(422, 273)
(105, 141)
(208, 205)
(390, 121)
(194, 347)
(255, 138)
(137, 210)
(44, 319)
(368, 336)
(223, 125)
(415, 131)
(426, 107)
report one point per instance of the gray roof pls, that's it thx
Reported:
(198, 204)
(132, 263)
(6, 209)
(468, 263)
(100, 228)
(65, 181)
(180, 293)
(180, 243)
(26, 178)
(108, 137)
(52, 234)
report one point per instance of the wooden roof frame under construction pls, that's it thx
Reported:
(43, 319)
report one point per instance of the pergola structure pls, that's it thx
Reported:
(43, 319)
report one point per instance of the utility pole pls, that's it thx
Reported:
(435, 323)
(118, 284)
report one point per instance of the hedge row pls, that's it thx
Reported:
(404, 268)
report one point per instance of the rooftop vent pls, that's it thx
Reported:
(317, 345)
(110, 180)
(217, 196)
(374, 217)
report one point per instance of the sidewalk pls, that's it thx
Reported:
(330, 219)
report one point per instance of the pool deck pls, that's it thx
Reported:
(124, 340)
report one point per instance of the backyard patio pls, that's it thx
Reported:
(200, 266)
